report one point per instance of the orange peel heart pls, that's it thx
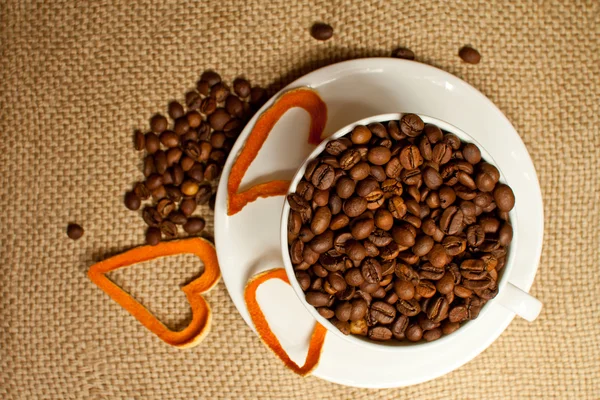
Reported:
(266, 334)
(305, 98)
(191, 335)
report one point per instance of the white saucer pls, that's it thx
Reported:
(248, 242)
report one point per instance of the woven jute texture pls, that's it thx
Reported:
(76, 78)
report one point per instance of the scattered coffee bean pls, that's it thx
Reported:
(407, 218)
(321, 31)
(74, 231)
(132, 201)
(194, 225)
(153, 236)
(469, 55)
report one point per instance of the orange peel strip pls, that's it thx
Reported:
(305, 98)
(266, 334)
(201, 313)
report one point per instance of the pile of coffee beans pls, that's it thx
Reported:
(399, 230)
(185, 152)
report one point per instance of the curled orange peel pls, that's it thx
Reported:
(191, 335)
(266, 334)
(305, 98)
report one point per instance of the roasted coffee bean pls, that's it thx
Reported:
(362, 228)
(475, 235)
(379, 155)
(187, 206)
(319, 270)
(349, 159)
(425, 289)
(393, 168)
(194, 225)
(404, 235)
(411, 177)
(360, 171)
(317, 299)
(506, 234)
(438, 256)
(354, 206)
(469, 55)
(378, 173)
(336, 280)
(168, 229)
(321, 31)
(384, 219)
(158, 123)
(177, 217)
(413, 332)
(323, 242)
(411, 125)
(504, 197)
(204, 193)
(449, 327)
(380, 238)
(430, 271)
(354, 277)
(359, 327)
(132, 201)
(454, 245)
(74, 231)
(380, 333)
(321, 220)
(433, 334)
(175, 110)
(181, 126)
(403, 52)
(343, 311)
(432, 178)
(153, 236)
(323, 177)
(360, 135)
(367, 186)
(345, 187)
(410, 308)
(451, 221)
(323, 311)
(241, 87)
(446, 284)
(404, 289)
(458, 314)
(397, 207)
(371, 270)
(410, 157)
(339, 221)
(423, 245)
(317, 285)
(383, 312)
(305, 234)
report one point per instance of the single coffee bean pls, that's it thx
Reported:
(469, 55)
(354, 206)
(337, 147)
(177, 217)
(380, 333)
(345, 187)
(321, 220)
(187, 206)
(379, 155)
(451, 221)
(362, 228)
(433, 334)
(425, 289)
(168, 229)
(132, 201)
(410, 308)
(343, 311)
(359, 327)
(360, 171)
(397, 207)
(449, 327)
(158, 123)
(504, 197)
(218, 119)
(404, 53)
(404, 289)
(323, 177)
(411, 125)
(194, 225)
(169, 139)
(321, 31)
(153, 236)
(471, 153)
(506, 234)
(339, 221)
(410, 157)
(371, 270)
(194, 119)
(152, 143)
(181, 126)
(383, 312)
(432, 178)
(241, 87)
(74, 231)
(458, 314)
(413, 332)
(210, 77)
(317, 299)
(384, 219)
(438, 256)
(354, 277)
(359, 309)
(322, 242)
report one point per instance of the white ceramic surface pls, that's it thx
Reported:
(516, 301)
(249, 242)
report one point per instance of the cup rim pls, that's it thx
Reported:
(392, 345)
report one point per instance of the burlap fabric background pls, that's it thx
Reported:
(76, 79)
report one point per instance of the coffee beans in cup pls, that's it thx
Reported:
(399, 231)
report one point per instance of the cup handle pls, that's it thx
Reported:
(520, 302)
